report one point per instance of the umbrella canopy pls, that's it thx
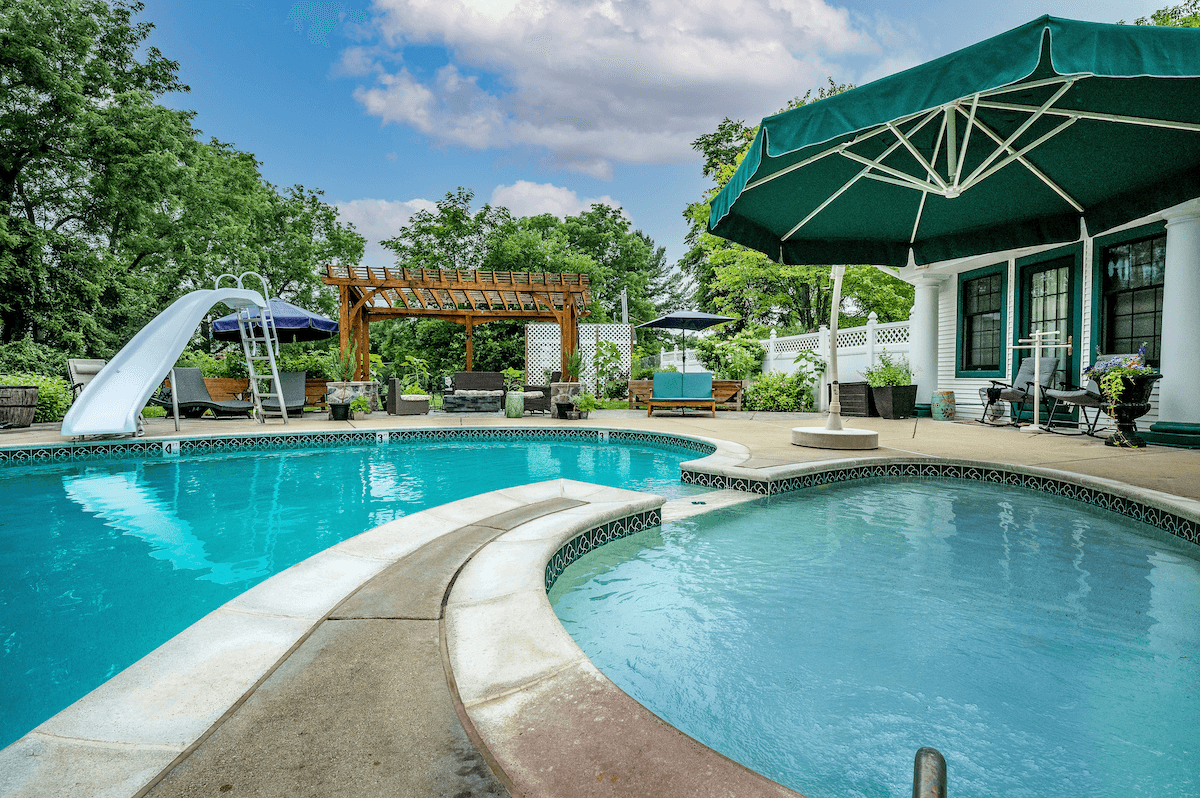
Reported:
(292, 323)
(686, 320)
(1008, 143)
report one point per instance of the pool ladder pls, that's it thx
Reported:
(260, 347)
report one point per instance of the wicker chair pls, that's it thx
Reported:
(542, 404)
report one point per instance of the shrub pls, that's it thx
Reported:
(54, 394)
(889, 371)
(27, 357)
(779, 392)
(735, 358)
(154, 411)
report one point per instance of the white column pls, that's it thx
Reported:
(1178, 397)
(923, 336)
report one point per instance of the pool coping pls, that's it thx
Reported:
(121, 738)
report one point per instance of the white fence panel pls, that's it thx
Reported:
(543, 353)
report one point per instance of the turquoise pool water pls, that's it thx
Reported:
(1045, 648)
(104, 561)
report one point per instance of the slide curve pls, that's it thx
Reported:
(111, 403)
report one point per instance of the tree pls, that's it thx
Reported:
(741, 282)
(109, 206)
(1184, 15)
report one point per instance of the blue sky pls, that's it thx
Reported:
(539, 105)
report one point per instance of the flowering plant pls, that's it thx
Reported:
(1108, 373)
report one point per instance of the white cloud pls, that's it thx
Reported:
(524, 198)
(595, 82)
(377, 219)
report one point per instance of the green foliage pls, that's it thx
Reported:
(230, 364)
(313, 362)
(416, 375)
(24, 355)
(514, 379)
(888, 371)
(664, 368)
(360, 404)
(1184, 15)
(584, 403)
(612, 381)
(154, 411)
(810, 367)
(343, 364)
(735, 358)
(574, 366)
(110, 206)
(779, 392)
(54, 394)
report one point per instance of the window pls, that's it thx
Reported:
(982, 323)
(1132, 276)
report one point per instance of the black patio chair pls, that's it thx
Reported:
(194, 398)
(1019, 392)
(292, 388)
(1086, 398)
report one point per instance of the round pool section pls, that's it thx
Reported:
(1045, 647)
(104, 561)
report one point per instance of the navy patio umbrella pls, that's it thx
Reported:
(291, 322)
(687, 320)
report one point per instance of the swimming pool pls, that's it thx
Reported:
(823, 636)
(105, 560)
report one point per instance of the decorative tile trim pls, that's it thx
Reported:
(1159, 517)
(322, 440)
(596, 537)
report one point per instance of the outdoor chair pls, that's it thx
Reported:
(1019, 392)
(540, 404)
(193, 397)
(82, 372)
(673, 389)
(1086, 398)
(291, 385)
(475, 391)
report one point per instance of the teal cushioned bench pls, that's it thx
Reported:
(672, 389)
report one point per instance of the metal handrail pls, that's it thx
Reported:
(929, 774)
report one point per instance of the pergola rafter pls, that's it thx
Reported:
(463, 297)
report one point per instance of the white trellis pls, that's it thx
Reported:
(542, 348)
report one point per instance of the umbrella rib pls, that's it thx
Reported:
(1170, 124)
(842, 190)
(920, 158)
(917, 221)
(1020, 157)
(1016, 134)
(962, 158)
(899, 177)
(812, 159)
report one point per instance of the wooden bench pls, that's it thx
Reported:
(726, 393)
(672, 389)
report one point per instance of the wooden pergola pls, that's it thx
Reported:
(463, 297)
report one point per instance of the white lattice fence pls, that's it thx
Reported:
(543, 353)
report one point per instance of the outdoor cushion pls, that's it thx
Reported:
(532, 394)
(414, 397)
(697, 386)
(479, 393)
(668, 385)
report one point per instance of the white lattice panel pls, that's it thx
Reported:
(892, 335)
(796, 343)
(855, 337)
(542, 348)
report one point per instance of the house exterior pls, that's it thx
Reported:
(1111, 292)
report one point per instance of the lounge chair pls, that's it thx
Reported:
(536, 404)
(292, 384)
(1019, 392)
(1086, 398)
(81, 373)
(673, 389)
(194, 399)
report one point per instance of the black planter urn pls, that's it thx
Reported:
(1132, 404)
(339, 411)
(895, 401)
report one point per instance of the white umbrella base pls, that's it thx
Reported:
(821, 438)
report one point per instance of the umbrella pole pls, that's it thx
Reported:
(683, 347)
(835, 404)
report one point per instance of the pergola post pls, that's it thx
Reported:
(470, 342)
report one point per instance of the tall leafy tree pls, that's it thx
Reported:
(737, 281)
(1184, 15)
(109, 205)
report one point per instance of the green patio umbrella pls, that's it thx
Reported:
(1008, 143)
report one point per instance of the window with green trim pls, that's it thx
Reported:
(1132, 286)
(981, 323)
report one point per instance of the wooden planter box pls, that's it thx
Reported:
(17, 405)
(856, 398)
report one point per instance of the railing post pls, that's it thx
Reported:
(872, 320)
(929, 774)
(771, 352)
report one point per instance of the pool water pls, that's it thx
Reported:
(1046, 648)
(104, 561)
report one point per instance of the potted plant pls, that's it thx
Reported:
(892, 387)
(360, 406)
(514, 396)
(583, 405)
(338, 392)
(562, 394)
(1125, 387)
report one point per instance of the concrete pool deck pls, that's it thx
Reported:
(379, 672)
